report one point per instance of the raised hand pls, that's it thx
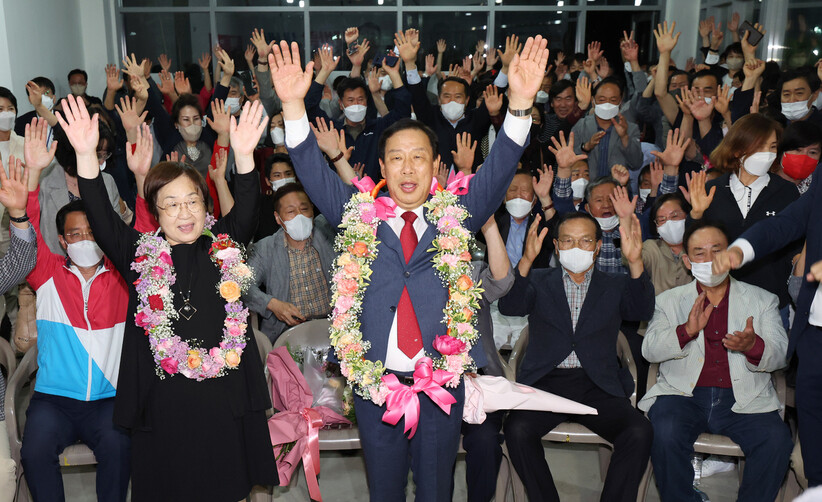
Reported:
(733, 24)
(166, 84)
(146, 65)
(698, 317)
(741, 341)
(594, 51)
(492, 57)
(139, 88)
(245, 133)
(492, 99)
(113, 81)
(700, 199)
(441, 45)
(755, 104)
(620, 125)
(623, 205)
(359, 169)
(583, 91)
(139, 161)
(512, 48)
(675, 148)
(35, 96)
(130, 114)
(248, 55)
(81, 129)
(329, 62)
(630, 233)
(430, 65)
(478, 64)
(226, 63)
(358, 57)
(258, 39)
(748, 50)
(351, 35)
(464, 155)
(175, 157)
(290, 81)
(701, 109)
(466, 67)
(723, 99)
(685, 100)
(705, 28)
(656, 173)
(533, 240)
(412, 35)
(621, 174)
(564, 151)
(629, 47)
(14, 188)
(408, 47)
(373, 81)
(221, 123)
(217, 173)
(36, 154)
(753, 69)
(542, 187)
(328, 139)
(181, 83)
(525, 73)
(594, 141)
(604, 68)
(717, 36)
(204, 61)
(589, 66)
(165, 62)
(442, 175)
(666, 40)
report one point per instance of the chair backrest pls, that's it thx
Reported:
(23, 374)
(517, 353)
(7, 359)
(263, 343)
(312, 333)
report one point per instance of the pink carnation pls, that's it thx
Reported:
(235, 331)
(141, 320)
(448, 243)
(456, 212)
(166, 258)
(454, 363)
(463, 327)
(367, 212)
(344, 303)
(446, 223)
(157, 272)
(164, 344)
(448, 345)
(347, 287)
(450, 259)
(228, 254)
(352, 269)
(169, 365)
(339, 321)
(216, 356)
(378, 396)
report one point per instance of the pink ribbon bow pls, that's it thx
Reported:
(364, 185)
(385, 207)
(403, 400)
(457, 183)
(296, 421)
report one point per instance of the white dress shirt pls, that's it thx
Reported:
(746, 195)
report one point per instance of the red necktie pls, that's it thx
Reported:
(409, 336)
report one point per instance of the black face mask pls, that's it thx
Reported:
(574, 76)
(676, 93)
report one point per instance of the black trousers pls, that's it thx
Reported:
(483, 454)
(617, 422)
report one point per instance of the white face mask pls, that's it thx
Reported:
(48, 102)
(606, 111)
(795, 111)
(299, 227)
(385, 83)
(708, 99)
(7, 120)
(644, 193)
(233, 105)
(278, 136)
(542, 97)
(734, 63)
(576, 260)
(578, 187)
(452, 110)
(672, 231)
(84, 253)
(703, 273)
(355, 113)
(608, 224)
(759, 163)
(518, 208)
(103, 166)
(191, 132)
(277, 184)
(78, 89)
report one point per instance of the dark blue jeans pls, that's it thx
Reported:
(679, 420)
(55, 422)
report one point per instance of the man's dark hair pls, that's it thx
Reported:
(799, 134)
(405, 124)
(806, 73)
(662, 199)
(78, 71)
(706, 73)
(560, 87)
(458, 80)
(579, 57)
(285, 190)
(5, 93)
(577, 215)
(699, 225)
(183, 101)
(610, 80)
(44, 82)
(677, 73)
(349, 84)
(273, 159)
(71, 207)
(735, 47)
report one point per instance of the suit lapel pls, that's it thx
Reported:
(595, 290)
(388, 238)
(561, 300)
(425, 241)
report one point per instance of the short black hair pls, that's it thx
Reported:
(349, 84)
(662, 199)
(699, 225)
(183, 101)
(72, 207)
(458, 80)
(405, 124)
(800, 134)
(610, 80)
(273, 159)
(806, 73)
(558, 88)
(577, 215)
(5, 93)
(285, 190)
(44, 82)
(78, 71)
(735, 47)
(677, 73)
(706, 73)
(579, 57)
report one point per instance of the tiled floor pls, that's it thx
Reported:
(574, 467)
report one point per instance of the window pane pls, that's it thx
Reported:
(350, 3)
(329, 28)
(541, 3)
(462, 30)
(559, 29)
(234, 31)
(164, 3)
(636, 3)
(802, 37)
(455, 3)
(258, 3)
(183, 37)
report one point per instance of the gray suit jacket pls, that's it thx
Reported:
(630, 157)
(679, 368)
(269, 259)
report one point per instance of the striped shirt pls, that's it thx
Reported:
(576, 297)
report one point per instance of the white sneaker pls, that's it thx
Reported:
(715, 464)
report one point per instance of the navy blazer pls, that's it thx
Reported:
(390, 272)
(800, 219)
(611, 299)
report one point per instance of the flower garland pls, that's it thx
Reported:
(357, 245)
(155, 308)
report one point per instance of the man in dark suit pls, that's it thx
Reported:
(800, 219)
(403, 278)
(575, 314)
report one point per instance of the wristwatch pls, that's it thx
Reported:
(338, 157)
(21, 219)
(521, 113)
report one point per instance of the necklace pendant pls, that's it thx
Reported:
(187, 311)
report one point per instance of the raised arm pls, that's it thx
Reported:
(22, 254)
(666, 40)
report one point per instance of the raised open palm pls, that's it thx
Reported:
(81, 129)
(14, 191)
(245, 132)
(37, 155)
(526, 71)
(289, 79)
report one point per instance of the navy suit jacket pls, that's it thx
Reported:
(800, 219)
(611, 299)
(390, 272)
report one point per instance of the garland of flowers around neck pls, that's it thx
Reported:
(352, 273)
(155, 308)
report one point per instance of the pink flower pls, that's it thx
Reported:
(448, 345)
(352, 269)
(344, 369)
(446, 223)
(338, 276)
(157, 272)
(463, 327)
(344, 303)
(216, 356)
(454, 211)
(169, 365)
(141, 320)
(347, 287)
(448, 243)
(166, 258)
(378, 395)
(450, 259)
(164, 344)
(339, 321)
(235, 331)
(367, 212)
(454, 363)
(228, 254)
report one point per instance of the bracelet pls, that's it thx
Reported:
(582, 147)
(21, 219)
(338, 157)
(521, 113)
(549, 206)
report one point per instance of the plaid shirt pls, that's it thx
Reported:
(576, 297)
(668, 185)
(610, 257)
(307, 288)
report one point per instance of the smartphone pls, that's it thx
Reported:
(755, 35)
(388, 60)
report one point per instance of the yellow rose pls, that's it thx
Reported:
(344, 259)
(346, 339)
(194, 360)
(232, 358)
(230, 291)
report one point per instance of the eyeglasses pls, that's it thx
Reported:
(676, 215)
(173, 209)
(582, 242)
(77, 236)
(103, 155)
